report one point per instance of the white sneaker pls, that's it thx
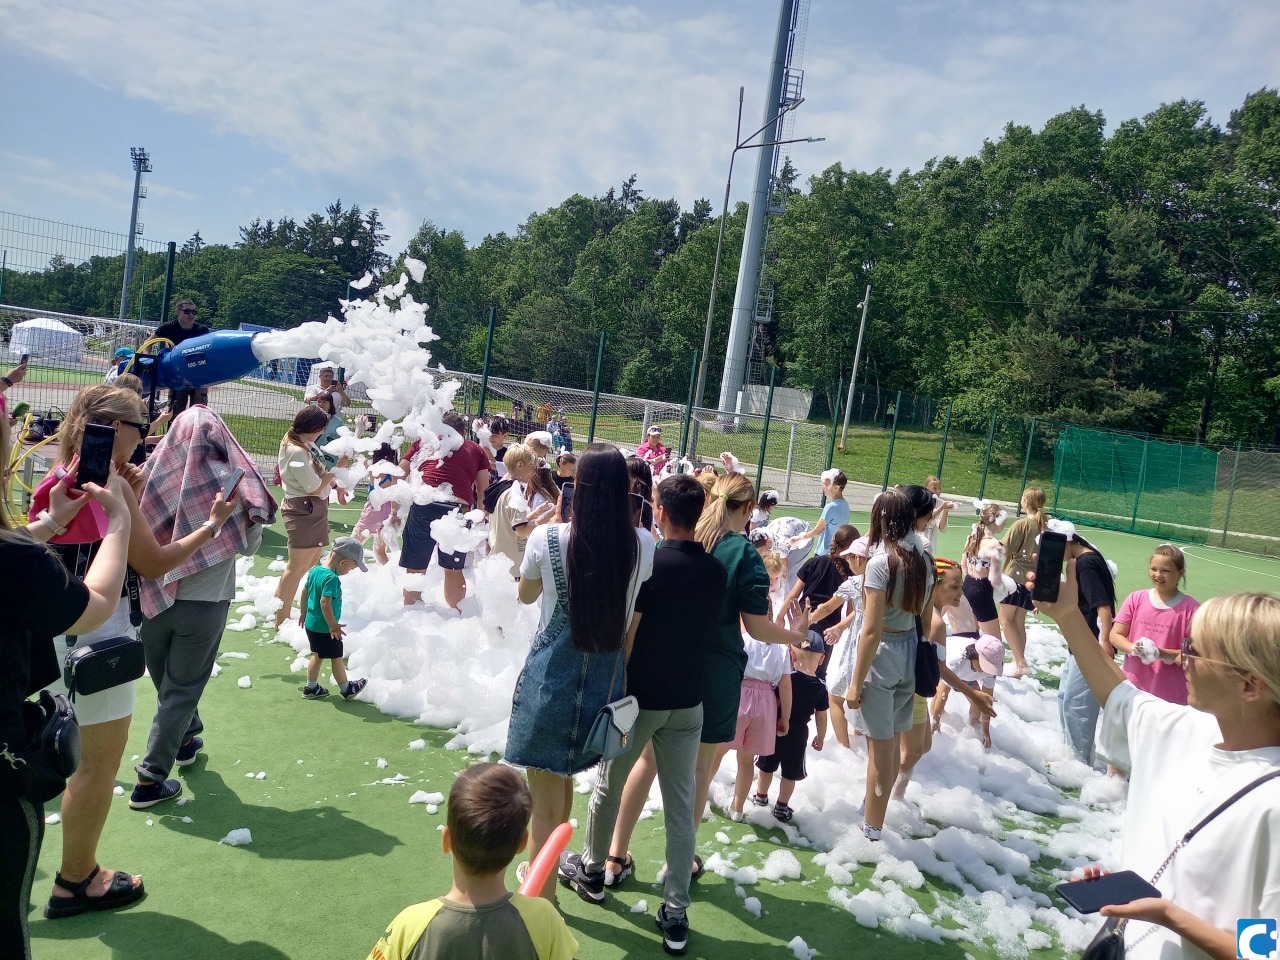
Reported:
(736, 816)
(871, 833)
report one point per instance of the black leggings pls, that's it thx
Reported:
(21, 833)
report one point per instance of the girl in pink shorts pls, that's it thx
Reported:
(763, 712)
(374, 519)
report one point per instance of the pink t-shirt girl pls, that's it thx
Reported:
(1148, 616)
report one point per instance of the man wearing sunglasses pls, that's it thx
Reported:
(184, 328)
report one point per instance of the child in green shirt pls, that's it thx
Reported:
(321, 608)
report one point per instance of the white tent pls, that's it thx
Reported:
(46, 340)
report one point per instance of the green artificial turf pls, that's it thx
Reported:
(336, 854)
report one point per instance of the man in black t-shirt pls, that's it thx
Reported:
(1077, 706)
(676, 609)
(184, 328)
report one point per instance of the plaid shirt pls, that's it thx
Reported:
(185, 472)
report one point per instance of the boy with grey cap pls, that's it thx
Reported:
(321, 608)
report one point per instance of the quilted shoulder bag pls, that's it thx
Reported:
(1108, 943)
(610, 735)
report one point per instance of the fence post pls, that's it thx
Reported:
(888, 460)
(1026, 460)
(595, 395)
(168, 282)
(1142, 479)
(488, 354)
(1231, 494)
(4, 264)
(986, 460)
(791, 459)
(764, 434)
(831, 447)
(688, 407)
(946, 434)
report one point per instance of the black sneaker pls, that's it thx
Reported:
(353, 687)
(588, 885)
(675, 931)
(782, 813)
(760, 799)
(187, 752)
(313, 691)
(150, 793)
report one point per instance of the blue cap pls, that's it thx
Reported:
(123, 352)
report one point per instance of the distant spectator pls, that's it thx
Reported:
(177, 331)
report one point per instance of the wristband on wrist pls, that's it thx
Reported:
(45, 517)
(7, 382)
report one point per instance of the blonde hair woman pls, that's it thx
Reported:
(80, 885)
(1020, 559)
(306, 482)
(1185, 762)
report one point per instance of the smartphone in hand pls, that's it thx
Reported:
(25, 358)
(566, 503)
(1110, 889)
(95, 454)
(232, 485)
(1049, 560)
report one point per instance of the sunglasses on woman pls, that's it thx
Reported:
(1189, 653)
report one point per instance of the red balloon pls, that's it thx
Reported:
(548, 859)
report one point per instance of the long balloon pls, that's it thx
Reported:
(547, 860)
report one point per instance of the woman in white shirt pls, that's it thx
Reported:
(306, 485)
(1184, 761)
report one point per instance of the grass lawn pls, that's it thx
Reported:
(336, 854)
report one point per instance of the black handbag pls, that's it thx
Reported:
(52, 749)
(928, 676)
(1108, 943)
(42, 428)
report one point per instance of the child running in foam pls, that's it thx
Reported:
(373, 520)
(808, 697)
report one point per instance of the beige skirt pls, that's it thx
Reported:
(306, 521)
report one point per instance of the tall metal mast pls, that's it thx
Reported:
(141, 165)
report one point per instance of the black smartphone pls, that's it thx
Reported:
(25, 358)
(1090, 896)
(233, 484)
(342, 375)
(1049, 559)
(644, 511)
(95, 454)
(566, 503)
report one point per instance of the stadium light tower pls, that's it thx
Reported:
(141, 165)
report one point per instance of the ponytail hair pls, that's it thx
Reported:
(893, 520)
(731, 492)
(844, 536)
(976, 536)
(1033, 501)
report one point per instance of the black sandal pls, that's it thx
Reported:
(698, 868)
(628, 866)
(120, 893)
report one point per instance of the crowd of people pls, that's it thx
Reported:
(734, 630)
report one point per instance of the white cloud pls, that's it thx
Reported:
(474, 115)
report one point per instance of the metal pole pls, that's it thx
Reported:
(791, 459)
(1231, 495)
(488, 354)
(1142, 479)
(4, 263)
(853, 377)
(688, 408)
(141, 165)
(893, 436)
(595, 396)
(168, 282)
(831, 446)
(946, 433)
(764, 434)
(986, 460)
(1026, 461)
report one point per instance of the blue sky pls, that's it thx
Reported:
(476, 114)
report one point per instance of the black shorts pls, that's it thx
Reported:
(981, 600)
(789, 755)
(324, 646)
(418, 544)
(1020, 598)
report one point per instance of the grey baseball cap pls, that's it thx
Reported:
(351, 549)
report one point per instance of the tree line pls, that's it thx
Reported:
(1129, 280)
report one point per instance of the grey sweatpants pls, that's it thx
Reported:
(180, 646)
(675, 735)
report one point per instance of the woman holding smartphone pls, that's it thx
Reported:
(306, 482)
(80, 885)
(52, 603)
(1185, 761)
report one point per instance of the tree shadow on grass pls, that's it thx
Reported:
(278, 834)
(146, 935)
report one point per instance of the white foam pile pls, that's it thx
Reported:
(983, 832)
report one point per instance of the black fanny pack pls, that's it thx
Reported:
(51, 751)
(103, 664)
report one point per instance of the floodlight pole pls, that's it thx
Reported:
(141, 165)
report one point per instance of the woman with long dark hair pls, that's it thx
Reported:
(587, 574)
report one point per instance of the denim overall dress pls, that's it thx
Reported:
(559, 692)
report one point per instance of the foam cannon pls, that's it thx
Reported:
(199, 362)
